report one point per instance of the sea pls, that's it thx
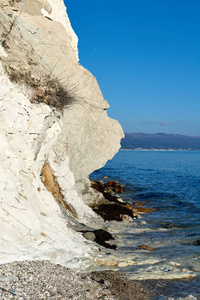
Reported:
(169, 182)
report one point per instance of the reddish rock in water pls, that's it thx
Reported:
(138, 204)
(143, 210)
(109, 188)
(145, 247)
(115, 186)
(138, 210)
(111, 183)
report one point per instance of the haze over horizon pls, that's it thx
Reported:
(169, 133)
(145, 55)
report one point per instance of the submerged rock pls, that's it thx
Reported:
(111, 212)
(139, 209)
(196, 243)
(115, 187)
(145, 247)
(109, 187)
(115, 208)
(100, 236)
(109, 190)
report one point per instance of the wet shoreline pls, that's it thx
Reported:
(168, 182)
(161, 289)
(44, 280)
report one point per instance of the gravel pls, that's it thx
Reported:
(44, 280)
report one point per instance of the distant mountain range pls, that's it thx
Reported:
(159, 141)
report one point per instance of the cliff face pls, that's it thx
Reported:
(54, 131)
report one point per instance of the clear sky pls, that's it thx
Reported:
(145, 55)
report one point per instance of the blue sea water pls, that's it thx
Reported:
(168, 181)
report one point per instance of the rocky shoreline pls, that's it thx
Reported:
(34, 280)
(44, 280)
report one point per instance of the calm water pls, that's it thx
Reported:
(169, 182)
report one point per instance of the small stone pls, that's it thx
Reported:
(89, 236)
(137, 204)
(8, 278)
(126, 218)
(145, 247)
(122, 264)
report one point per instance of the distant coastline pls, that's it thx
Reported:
(168, 150)
(160, 142)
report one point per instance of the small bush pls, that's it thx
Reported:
(45, 89)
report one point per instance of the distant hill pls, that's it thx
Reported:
(160, 141)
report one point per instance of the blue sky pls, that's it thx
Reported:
(145, 55)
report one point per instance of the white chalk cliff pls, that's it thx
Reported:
(54, 132)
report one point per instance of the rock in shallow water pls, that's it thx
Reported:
(100, 236)
(113, 212)
(145, 247)
(196, 243)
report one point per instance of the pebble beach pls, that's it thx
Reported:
(44, 280)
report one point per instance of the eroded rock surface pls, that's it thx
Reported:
(52, 113)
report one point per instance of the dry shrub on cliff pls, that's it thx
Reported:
(52, 92)
(46, 89)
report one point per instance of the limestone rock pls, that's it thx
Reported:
(39, 127)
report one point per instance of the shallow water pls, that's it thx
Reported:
(169, 182)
